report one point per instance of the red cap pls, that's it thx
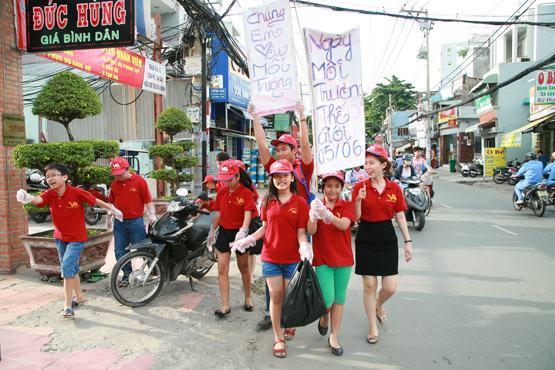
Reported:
(285, 138)
(337, 175)
(378, 151)
(118, 165)
(239, 163)
(281, 166)
(228, 170)
(208, 178)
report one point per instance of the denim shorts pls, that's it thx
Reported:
(69, 253)
(286, 270)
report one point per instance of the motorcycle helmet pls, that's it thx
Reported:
(531, 156)
(407, 159)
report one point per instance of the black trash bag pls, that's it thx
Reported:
(303, 302)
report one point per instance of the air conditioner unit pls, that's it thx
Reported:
(522, 59)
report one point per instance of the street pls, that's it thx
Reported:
(478, 294)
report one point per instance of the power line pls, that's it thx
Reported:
(425, 19)
(379, 67)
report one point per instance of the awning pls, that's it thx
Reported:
(513, 139)
(490, 77)
(237, 134)
(239, 111)
(473, 128)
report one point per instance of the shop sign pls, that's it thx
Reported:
(447, 115)
(483, 104)
(511, 140)
(116, 64)
(79, 24)
(13, 129)
(494, 157)
(538, 111)
(281, 122)
(545, 87)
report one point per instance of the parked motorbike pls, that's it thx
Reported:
(532, 199)
(36, 182)
(417, 202)
(94, 214)
(175, 245)
(502, 174)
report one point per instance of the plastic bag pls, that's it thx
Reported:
(303, 302)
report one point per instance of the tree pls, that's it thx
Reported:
(66, 97)
(403, 97)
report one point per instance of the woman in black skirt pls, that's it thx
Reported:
(377, 201)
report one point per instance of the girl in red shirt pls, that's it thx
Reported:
(329, 224)
(377, 201)
(236, 208)
(284, 219)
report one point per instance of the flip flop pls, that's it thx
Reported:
(248, 307)
(382, 319)
(372, 339)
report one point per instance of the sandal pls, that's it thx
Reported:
(382, 319)
(221, 313)
(289, 334)
(280, 352)
(372, 339)
(248, 307)
(76, 303)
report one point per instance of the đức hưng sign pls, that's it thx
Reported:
(271, 58)
(334, 67)
(79, 24)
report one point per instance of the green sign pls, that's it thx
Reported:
(483, 104)
(13, 129)
(281, 122)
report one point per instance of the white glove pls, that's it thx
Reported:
(326, 216)
(116, 212)
(243, 244)
(211, 240)
(242, 233)
(23, 197)
(315, 210)
(313, 215)
(151, 218)
(305, 251)
(109, 222)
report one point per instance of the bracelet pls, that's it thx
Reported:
(408, 241)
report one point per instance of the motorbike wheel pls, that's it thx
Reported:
(428, 202)
(473, 174)
(537, 205)
(512, 181)
(210, 258)
(131, 291)
(418, 220)
(516, 206)
(464, 173)
(499, 178)
(38, 217)
(91, 216)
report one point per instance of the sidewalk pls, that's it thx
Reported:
(480, 181)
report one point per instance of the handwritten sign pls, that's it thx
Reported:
(337, 99)
(272, 69)
(494, 157)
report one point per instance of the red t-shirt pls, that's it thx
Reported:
(380, 207)
(307, 169)
(332, 247)
(233, 205)
(281, 244)
(130, 196)
(68, 213)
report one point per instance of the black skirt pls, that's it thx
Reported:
(377, 251)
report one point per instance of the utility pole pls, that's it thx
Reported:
(390, 125)
(204, 102)
(425, 27)
(158, 102)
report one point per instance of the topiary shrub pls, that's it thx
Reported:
(174, 157)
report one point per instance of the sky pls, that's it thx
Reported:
(390, 46)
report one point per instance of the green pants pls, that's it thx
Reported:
(333, 282)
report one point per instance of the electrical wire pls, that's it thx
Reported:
(120, 103)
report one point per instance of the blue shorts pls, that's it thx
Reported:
(286, 270)
(69, 253)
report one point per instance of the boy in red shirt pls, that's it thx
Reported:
(68, 217)
(129, 192)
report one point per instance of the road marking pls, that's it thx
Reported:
(504, 230)
(445, 205)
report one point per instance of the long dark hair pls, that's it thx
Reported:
(273, 192)
(245, 179)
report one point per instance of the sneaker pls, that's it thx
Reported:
(123, 283)
(68, 313)
(265, 323)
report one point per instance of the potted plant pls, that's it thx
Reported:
(176, 157)
(80, 157)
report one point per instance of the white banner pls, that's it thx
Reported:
(272, 69)
(155, 77)
(334, 67)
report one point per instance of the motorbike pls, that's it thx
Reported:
(93, 214)
(502, 174)
(547, 194)
(473, 169)
(417, 202)
(532, 198)
(36, 182)
(175, 245)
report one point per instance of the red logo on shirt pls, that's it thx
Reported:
(239, 201)
(133, 189)
(72, 205)
(391, 198)
(293, 210)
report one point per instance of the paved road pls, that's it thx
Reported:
(479, 294)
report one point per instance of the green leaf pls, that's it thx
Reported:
(172, 121)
